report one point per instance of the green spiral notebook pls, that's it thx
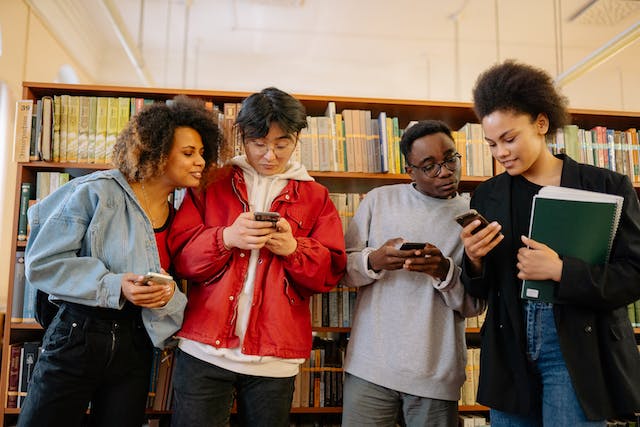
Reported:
(577, 223)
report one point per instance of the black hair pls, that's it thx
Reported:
(142, 148)
(270, 105)
(420, 129)
(520, 88)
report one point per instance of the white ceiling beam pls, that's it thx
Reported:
(130, 48)
(600, 55)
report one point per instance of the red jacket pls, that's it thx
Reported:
(279, 322)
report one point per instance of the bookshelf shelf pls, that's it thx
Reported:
(454, 113)
(26, 326)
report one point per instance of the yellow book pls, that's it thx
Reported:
(340, 147)
(112, 128)
(83, 130)
(73, 122)
(64, 119)
(91, 138)
(102, 111)
(124, 111)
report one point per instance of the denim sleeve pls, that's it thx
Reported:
(161, 323)
(60, 224)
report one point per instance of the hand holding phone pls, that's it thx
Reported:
(470, 216)
(158, 278)
(272, 217)
(408, 246)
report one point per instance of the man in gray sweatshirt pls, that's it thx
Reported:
(407, 349)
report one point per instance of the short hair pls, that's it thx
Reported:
(142, 148)
(270, 105)
(520, 88)
(420, 129)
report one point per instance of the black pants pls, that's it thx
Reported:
(95, 355)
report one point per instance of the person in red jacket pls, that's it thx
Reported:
(247, 324)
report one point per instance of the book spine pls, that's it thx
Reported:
(17, 300)
(83, 130)
(14, 375)
(73, 126)
(22, 130)
(55, 145)
(47, 128)
(36, 146)
(91, 139)
(25, 196)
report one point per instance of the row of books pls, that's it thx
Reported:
(67, 128)
(161, 380)
(24, 355)
(617, 150)
(473, 420)
(634, 314)
(333, 309)
(319, 382)
(84, 128)
(22, 360)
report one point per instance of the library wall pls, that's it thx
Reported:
(29, 52)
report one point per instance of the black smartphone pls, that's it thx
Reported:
(467, 217)
(266, 216)
(406, 246)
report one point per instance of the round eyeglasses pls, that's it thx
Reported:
(433, 170)
(259, 147)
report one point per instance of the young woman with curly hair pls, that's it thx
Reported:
(91, 242)
(573, 362)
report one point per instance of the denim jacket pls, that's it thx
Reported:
(84, 236)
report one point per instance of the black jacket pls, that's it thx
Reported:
(596, 337)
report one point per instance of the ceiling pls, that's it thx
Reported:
(217, 43)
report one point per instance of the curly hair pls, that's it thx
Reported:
(420, 129)
(520, 88)
(142, 148)
(270, 105)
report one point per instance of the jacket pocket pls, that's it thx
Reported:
(293, 296)
(301, 221)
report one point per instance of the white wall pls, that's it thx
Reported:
(29, 53)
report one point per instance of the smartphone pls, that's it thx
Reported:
(467, 217)
(412, 246)
(158, 278)
(267, 216)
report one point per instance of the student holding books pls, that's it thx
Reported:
(256, 243)
(407, 350)
(572, 362)
(91, 243)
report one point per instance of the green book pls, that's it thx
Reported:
(575, 223)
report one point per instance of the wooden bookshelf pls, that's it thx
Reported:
(456, 114)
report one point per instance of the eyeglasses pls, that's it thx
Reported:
(452, 163)
(261, 148)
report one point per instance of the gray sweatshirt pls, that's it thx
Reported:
(408, 331)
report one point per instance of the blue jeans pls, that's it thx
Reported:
(96, 355)
(368, 404)
(560, 406)
(203, 395)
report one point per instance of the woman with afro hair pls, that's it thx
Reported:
(91, 243)
(573, 362)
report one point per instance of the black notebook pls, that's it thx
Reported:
(577, 223)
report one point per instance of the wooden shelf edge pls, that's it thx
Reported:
(26, 325)
(322, 410)
(472, 408)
